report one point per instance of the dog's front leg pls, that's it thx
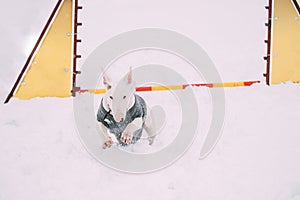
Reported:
(150, 126)
(107, 139)
(126, 136)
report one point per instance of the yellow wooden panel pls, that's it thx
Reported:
(285, 52)
(49, 74)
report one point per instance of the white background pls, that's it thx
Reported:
(41, 156)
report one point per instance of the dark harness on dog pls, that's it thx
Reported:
(138, 110)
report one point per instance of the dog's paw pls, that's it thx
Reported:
(126, 138)
(108, 143)
(151, 140)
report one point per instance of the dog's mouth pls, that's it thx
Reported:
(119, 119)
(119, 116)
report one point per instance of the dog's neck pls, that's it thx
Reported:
(132, 101)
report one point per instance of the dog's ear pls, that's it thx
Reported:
(106, 81)
(129, 76)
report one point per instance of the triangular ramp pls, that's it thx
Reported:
(285, 42)
(48, 70)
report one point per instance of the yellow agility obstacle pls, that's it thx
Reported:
(283, 59)
(50, 68)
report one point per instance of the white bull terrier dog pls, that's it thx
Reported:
(123, 113)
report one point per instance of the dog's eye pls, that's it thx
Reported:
(111, 97)
(124, 97)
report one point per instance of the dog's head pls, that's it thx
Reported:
(119, 97)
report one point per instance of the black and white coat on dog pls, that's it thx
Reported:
(138, 110)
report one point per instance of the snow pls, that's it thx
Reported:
(257, 157)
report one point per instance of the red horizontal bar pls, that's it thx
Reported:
(143, 89)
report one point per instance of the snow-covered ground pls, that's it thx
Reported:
(257, 157)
